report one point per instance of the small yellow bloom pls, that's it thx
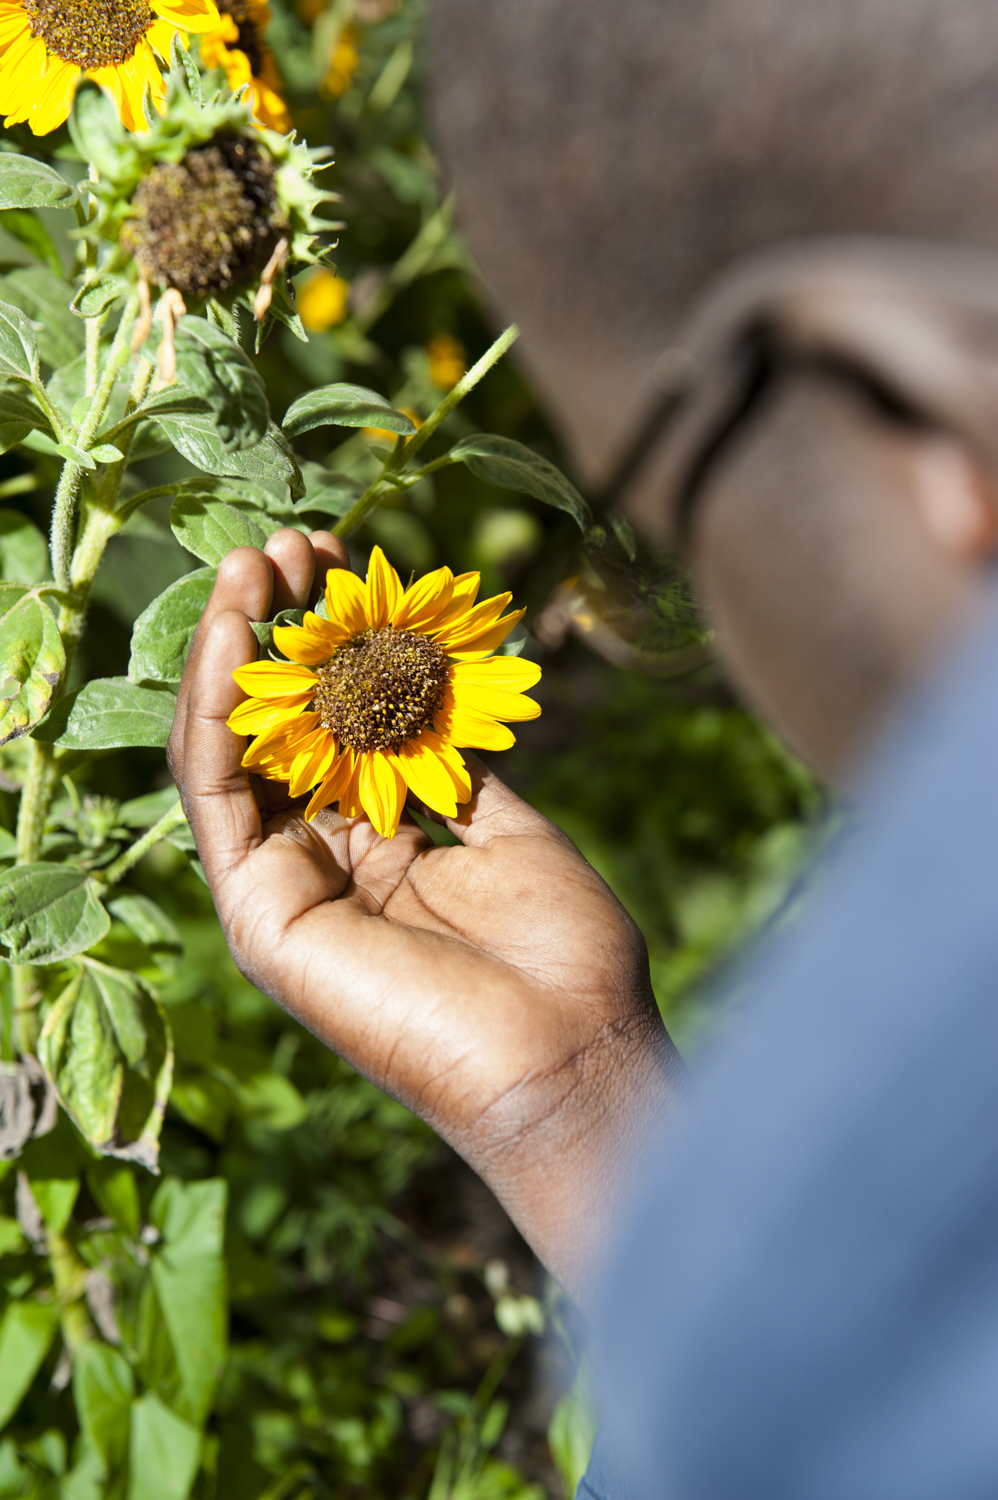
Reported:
(343, 60)
(447, 361)
(378, 699)
(237, 47)
(47, 46)
(323, 301)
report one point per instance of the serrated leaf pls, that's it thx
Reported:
(344, 405)
(18, 417)
(107, 1051)
(189, 424)
(48, 913)
(44, 297)
(211, 528)
(111, 713)
(164, 1452)
(96, 296)
(162, 634)
(27, 183)
(19, 358)
(505, 462)
(24, 553)
(32, 654)
(29, 230)
(213, 366)
(26, 1334)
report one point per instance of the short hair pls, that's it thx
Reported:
(639, 146)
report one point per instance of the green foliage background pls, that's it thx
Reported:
(287, 1311)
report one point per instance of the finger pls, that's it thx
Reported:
(293, 561)
(245, 581)
(215, 790)
(494, 811)
(330, 552)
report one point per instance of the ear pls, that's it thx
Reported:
(956, 497)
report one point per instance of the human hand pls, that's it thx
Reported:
(498, 989)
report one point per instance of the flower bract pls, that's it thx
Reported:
(237, 48)
(379, 697)
(47, 46)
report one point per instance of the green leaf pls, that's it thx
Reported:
(103, 1389)
(106, 453)
(111, 713)
(116, 1193)
(332, 499)
(96, 296)
(27, 183)
(188, 1274)
(148, 922)
(214, 366)
(51, 1164)
(344, 405)
(18, 417)
(143, 812)
(26, 1333)
(32, 654)
(49, 912)
(164, 1452)
(107, 1050)
(18, 350)
(75, 455)
(31, 232)
(44, 296)
(189, 423)
(211, 528)
(24, 553)
(503, 461)
(162, 634)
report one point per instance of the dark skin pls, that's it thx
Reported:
(498, 988)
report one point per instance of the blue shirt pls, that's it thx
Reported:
(805, 1306)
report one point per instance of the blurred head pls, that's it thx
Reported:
(611, 162)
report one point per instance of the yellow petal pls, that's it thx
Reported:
(345, 600)
(462, 599)
(256, 715)
(428, 776)
(188, 15)
(452, 761)
(334, 785)
(473, 622)
(280, 744)
(55, 97)
(274, 679)
(382, 792)
(479, 646)
(424, 600)
(477, 731)
(312, 643)
(384, 591)
(495, 702)
(350, 803)
(314, 760)
(511, 673)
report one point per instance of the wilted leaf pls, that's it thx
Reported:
(103, 1389)
(27, 1105)
(18, 349)
(111, 713)
(214, 366)
(162, 634)
(211, 528)
(503, 461)
(26, 1333)
(24, 553)
(27, 183)
(164, 1452)
(41, 294)
(344, 405)
(49, 912)
(107, 1050)
(32, 657)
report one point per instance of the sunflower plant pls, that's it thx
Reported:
(189, 210)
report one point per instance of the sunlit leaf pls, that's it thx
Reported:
(27, 183)
(49, 912)
(33, 659)
(162, 634)
(43, 296)
(502, 461)
(189, 423)
(213, 366)
(26, 1333)
(147, 922)
(189, 1276)
(210, 528)
(96, 296)
(164, 1452)
(344, 405)
(111, 713)
(18, 349)
(103, 1390)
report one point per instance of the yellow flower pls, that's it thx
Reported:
(323, 300)
(343, 60)
(379, 698)
(236, 46)
(447, 361)
(47, 46)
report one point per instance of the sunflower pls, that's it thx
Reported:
(237, 48)
(47, 46)
(379, 697)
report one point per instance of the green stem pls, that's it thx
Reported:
(41, 395)
(69, 1276)
(167, 823)
(117, 360)
(63, 531)
(131, 503)
(35, 795)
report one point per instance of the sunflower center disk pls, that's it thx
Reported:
(243, 12)
(208, 223)
(90, 33)
(381, 688)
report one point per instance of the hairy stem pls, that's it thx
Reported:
(125, 862)
(63, 530)
(35, 795)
